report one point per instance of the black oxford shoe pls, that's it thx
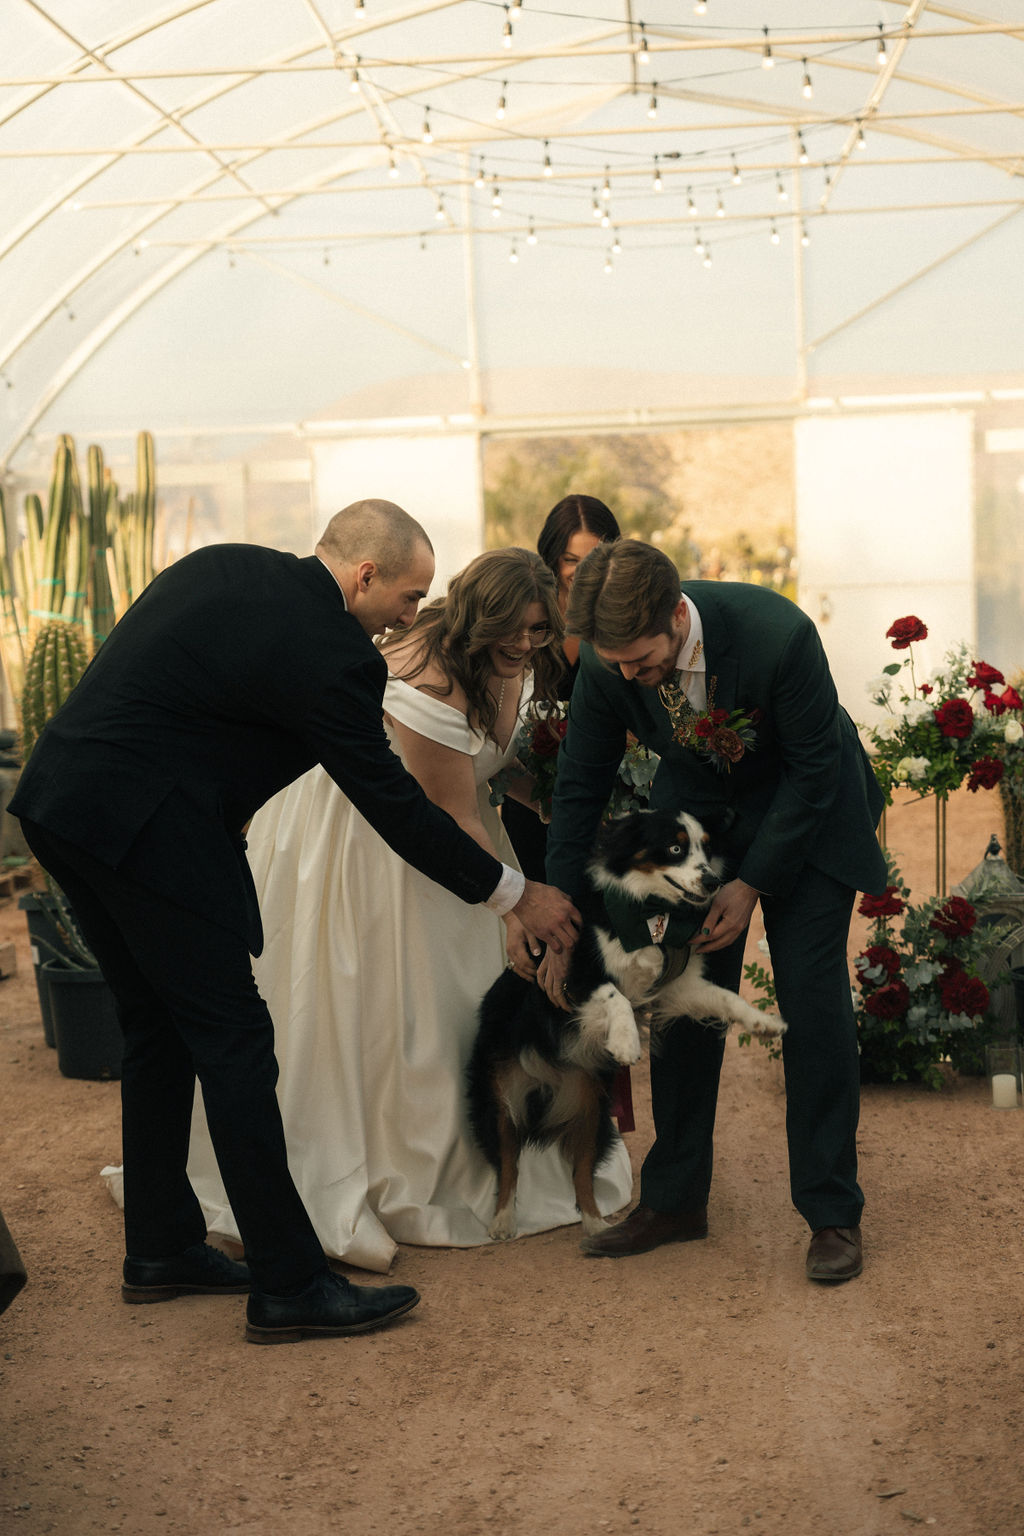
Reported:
(644, 1229)
(198, 1271)
(329, 1307)
(835, 1253)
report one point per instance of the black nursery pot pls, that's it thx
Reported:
(85, 1024)
(42, 932)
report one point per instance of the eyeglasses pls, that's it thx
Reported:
(538, 635)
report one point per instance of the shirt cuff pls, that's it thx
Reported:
(507, 892)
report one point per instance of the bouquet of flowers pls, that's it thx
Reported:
(943, 729)
(919, 997)
(537, 746)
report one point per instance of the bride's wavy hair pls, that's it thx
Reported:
(485, 604)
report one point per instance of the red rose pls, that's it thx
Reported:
(727, 744)
(889, 904)
(995, 704)
(984, 676)
(881, 955)
(905, 631)
(955, 918)
(985, 774)
(963, 994)
(547, 734)
(889, 1002)
(719, 716)
(955, 718)
(925, 689)
(1011, 699)
(703, 727)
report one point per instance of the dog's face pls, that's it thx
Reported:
(661, 854)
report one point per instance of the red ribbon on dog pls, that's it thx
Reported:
(622, 1100)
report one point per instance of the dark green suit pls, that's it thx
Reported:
(805, 805)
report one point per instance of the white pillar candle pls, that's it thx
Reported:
(1004, 1090)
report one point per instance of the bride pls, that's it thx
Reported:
(373, 973)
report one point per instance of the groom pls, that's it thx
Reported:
(236, 670)
(673, 665)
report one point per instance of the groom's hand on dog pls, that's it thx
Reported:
(727, 917)
(551, 977)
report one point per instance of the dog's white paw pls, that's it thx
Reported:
(503, 1226)
(623, 1038)
(591, 1225)
(770, 1027)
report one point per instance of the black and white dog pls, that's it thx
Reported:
(539, 1074)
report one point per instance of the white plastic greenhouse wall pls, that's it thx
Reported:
(325, 249)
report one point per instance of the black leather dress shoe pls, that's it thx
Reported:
(835, 1253)
(327, 1308)
(644, 1229)
(199, 1271)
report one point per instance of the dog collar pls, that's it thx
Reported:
(638, 924)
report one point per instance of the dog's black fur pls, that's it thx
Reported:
(539, 1074)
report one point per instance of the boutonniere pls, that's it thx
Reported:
(719, 736)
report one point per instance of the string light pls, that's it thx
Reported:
(496, 202)
(720, 210)
(780, 191)
(698, 244)
(652, 106)
(862, 142)
(513, 254)
(707, 256)
(700, 7)
(606, 220)
(353, 84)
(480, 180)
(608, 264)
(427, 136)
(881, 57)
(358, 5)
(506, 34)
(423, 242)
(774, 236)
(595, 206)
(645, 56)
(547, 161)
(392, 167)
(531, 237)
(606, 190)
(657, 175)
(500, 110)
(767, 62)
(807, 88)
(691, 206)
(804, 156)
(517, 6)
(617, 244)
(439, 210)
(805, 238)
(736, 177)
(327, 258)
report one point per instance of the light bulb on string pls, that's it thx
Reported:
(517, 6)
(496, 202)
(606, 220)
(881, 57)
(608, 264)
(616, 244)
(606, 190)
(691, 206)
(774, 236)
(645, 56)
(698, 244)
(805, 238)
(327, 258)
(802, 147)
(720, 210)
(652, 105)
(657, 175)
(531, 237)
(392, 167)
(500, 109)
(427, 134)
(767, 62)
(700, 8)
(439, 210)
(358, 5)
(595, 206)
(736, 177)
(807, 89)
(707, 256)
(780, 191)
(480, 180)
(506, 34)
(547, 170)
(862, 142)
(513, 254)
(353, 83)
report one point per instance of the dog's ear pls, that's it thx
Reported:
(718, 822)
(619, 835)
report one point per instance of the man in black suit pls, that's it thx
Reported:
(237, 670)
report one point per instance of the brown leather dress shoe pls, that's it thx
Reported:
(835, 1254)
(644, 1229)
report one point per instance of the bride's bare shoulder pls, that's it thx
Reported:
(407, 663)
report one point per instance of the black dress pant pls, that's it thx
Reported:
(189, 1007)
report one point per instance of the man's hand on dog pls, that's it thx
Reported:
(727, 917)
(546, 913)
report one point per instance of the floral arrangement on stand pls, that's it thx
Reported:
(537, 746)
(943, 729)
(919, 997)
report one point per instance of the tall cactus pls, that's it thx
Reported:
(56, 662)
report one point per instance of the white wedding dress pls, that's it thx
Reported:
(373, 975)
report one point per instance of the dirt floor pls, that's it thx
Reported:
(705, 1388)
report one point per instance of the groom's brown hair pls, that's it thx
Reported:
(621, 592)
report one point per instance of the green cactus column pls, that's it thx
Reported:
(56, 662)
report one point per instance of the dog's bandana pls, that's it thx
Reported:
(638, 924)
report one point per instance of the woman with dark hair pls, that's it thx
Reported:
(571, 530)
(374, 973)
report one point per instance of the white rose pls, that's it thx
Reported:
(901, 773)
(915, 711)
(1013, 731)
(878, 687)
(918, 767)
(886, 727)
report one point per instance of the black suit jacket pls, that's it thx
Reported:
(236, 670)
